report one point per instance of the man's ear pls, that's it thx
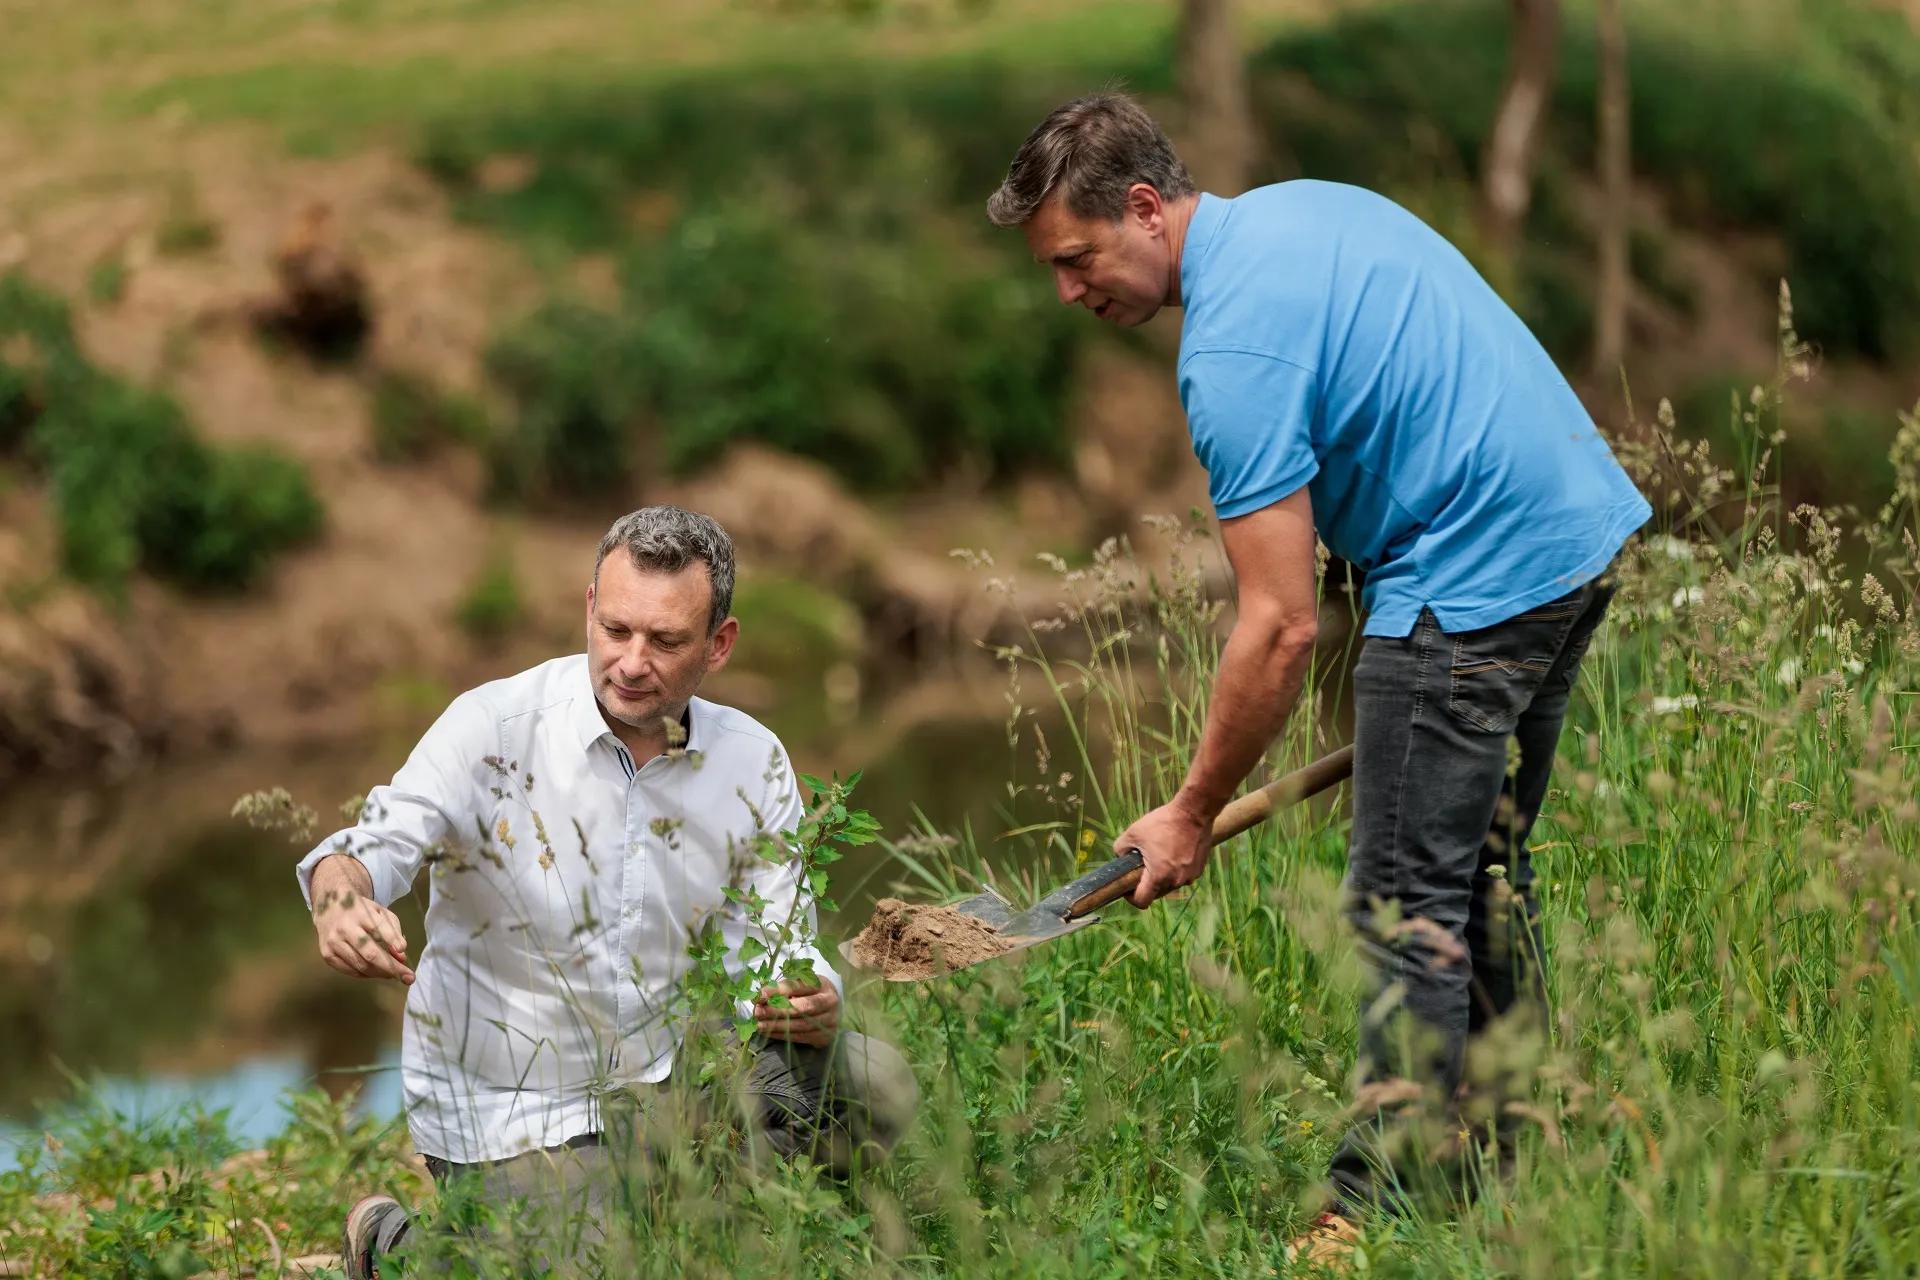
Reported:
(1145, 205)
(720, 647)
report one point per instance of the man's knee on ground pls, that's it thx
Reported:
(859, 1096)
(878, 1082)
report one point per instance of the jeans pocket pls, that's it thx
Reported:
(1495, 671)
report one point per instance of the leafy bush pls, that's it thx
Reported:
(886, 362)
(565, 369)
(838, 294)
(224, 515)
(883, 361)
(492, 606)
(133, 487)
(902, 139)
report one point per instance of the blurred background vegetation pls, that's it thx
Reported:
(333, 331)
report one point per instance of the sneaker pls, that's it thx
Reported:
(1328, 1243)
(374, 1226)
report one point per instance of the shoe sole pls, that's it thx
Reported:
(353, 1253)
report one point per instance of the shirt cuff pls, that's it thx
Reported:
(384, 890)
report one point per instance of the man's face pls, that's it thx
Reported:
(1121, 270)
(648, 647)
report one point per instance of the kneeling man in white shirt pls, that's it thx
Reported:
(580, 823)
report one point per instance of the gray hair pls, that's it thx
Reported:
(1092, 150)
(667, 540)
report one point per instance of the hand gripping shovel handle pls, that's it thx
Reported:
(1118, 878)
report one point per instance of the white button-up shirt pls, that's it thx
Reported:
(565, 885)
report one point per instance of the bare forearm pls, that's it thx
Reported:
(339, 878)
(1261, 671)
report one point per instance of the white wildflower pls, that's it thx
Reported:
(1688, 595)
(1788, 673)
(1854, 666)
(1663, 706)
(1673, 548)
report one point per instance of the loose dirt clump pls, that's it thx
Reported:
(909, 942)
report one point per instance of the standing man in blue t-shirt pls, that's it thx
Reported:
(1344, 369)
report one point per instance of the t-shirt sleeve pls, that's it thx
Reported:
(1251, 417)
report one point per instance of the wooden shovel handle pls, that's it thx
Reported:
(1118, 878)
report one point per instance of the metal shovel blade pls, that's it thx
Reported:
(1052, 917)
(1070, 907)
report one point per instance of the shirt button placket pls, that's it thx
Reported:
(629, 913)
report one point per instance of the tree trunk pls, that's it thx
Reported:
(1221, 144)
(1616, 194)
(1507, 166)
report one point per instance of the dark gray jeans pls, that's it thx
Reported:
(1454, 740)
(851, 1101)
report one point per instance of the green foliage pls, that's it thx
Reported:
(133, 487)
(493, 605)
(895, 141)
(1727, 869)
(1648, 260)
(792, 629)
(107, 280)
(1556, 301)
(577, 404)
(834, 295)
(1811, 146)
(1825, 455)
(884, 362)
(175, 1197)
(721, 981)
(412, 418)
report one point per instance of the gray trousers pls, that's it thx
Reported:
(1454, 739)
(843, 1105)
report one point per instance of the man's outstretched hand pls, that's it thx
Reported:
(804, 1012)
(1174, 842)
(357, 935)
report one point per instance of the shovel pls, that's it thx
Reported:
(1069, 907)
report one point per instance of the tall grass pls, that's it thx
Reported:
(1729, 866)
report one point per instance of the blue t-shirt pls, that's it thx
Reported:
(1334, 340)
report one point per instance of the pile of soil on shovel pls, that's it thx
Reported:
(908, 942)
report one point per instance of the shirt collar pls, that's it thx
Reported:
(590, 725)
(1208, 213)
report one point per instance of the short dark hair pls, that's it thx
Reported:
(1092, 151)
(667, 540)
